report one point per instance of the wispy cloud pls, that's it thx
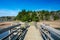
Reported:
(6, 12)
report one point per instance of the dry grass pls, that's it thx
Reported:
(55, 24)
(5, 24)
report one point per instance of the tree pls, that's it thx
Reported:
(37, 15)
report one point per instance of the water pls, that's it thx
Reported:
(4, 34)
(54, 36)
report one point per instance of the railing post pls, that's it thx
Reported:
(9, 36)
(9, 33)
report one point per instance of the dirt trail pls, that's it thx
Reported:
(33, 34)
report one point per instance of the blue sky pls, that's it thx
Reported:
(12, 7)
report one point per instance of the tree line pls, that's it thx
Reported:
(37, 15)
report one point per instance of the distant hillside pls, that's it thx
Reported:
(7, 18)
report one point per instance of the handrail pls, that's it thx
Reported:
(46, 34)
(9, 28)
(51, 30)
(19, 32)
(43, 35)
(9, 34)
(22, 35)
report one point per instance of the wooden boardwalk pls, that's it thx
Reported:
(33, 34)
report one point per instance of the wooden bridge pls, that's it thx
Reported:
(30, 32)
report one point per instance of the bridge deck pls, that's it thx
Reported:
(33, 34)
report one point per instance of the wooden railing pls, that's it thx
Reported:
(15, 32)
(47, 32)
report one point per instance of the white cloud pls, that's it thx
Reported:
(6, 12)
